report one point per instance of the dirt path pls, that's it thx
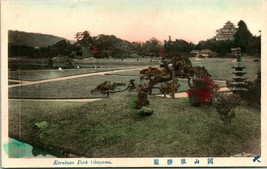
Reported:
(183, 94)
(27, 83)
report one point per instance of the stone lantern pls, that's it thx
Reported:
(239, 82)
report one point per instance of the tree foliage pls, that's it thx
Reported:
(201, 90)
(253, 94)
(100, 46)
(84, 38)
(107, 87)
(222, 48)
(151, 48)
(174, 65)
(110, 46)
(62, 48)
(225, 104)
(179, 45)
(35, 40)
(242, 36)
(244, 39)
(20, 51)
(167, 87)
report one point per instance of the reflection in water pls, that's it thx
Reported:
(17, 149)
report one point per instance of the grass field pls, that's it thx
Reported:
(25, 63)
(35, 75)
(72, 88)
(218, 68)
(81, 87)
(221, 69)
(112, 128)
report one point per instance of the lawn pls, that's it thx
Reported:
(221, 69)
(72, 88)
(81, 87)
(35, 75)
(25, 63)
(113, 128)
(113, 61)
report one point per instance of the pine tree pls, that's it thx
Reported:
(243, 36)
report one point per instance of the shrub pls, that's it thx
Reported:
(225, 103)
(167, 87)
(253, 94)
(106, 88)
(201, 91)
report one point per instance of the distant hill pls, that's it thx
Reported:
(32, 39)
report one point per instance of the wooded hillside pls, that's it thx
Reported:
(32, 39)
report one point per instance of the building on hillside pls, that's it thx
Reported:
(205, 53)
(227, 32)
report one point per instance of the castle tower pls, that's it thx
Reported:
(227, 32)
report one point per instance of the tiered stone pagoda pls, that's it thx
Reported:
(239, 83)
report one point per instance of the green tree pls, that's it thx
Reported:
(111, 46)
(151, 47)
(243, 37)
(225, 105)
(223, 48)
(84, 38)
(108, 87)
(62, 47)
(254, 47)
(182, 46)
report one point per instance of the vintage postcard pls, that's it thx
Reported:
(123, 83)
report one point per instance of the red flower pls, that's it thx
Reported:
(94, 50)
(161, 53)
(203, 90)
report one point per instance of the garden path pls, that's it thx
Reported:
(183, 94)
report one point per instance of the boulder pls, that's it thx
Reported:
(146, 111)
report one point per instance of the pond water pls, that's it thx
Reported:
(18, 149)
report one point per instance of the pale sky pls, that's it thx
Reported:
(133, 20)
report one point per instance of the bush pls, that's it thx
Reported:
(107, 87)
(167, 88)
(225, 103)
(253, 94)
(201, 91)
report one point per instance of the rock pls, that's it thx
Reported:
(146, 111)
